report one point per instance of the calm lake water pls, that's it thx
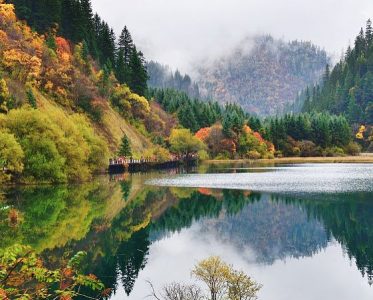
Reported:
(303, 231)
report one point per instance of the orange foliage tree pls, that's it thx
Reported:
(203, 134)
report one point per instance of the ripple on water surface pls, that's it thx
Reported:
(307, 178)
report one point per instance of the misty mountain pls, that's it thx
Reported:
(262, 74)
(161, 76)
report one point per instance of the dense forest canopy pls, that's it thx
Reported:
(348, 87)
(230, 131)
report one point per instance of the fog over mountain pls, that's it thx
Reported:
(179, 33)
(264, 75)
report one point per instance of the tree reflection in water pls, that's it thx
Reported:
(117, 223)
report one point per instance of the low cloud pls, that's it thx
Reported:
(181, 32)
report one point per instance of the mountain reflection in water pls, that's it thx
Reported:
(133, 232)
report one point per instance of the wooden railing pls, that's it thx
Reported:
(142, 165)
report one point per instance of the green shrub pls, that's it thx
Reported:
(57, 148)
(333, 152)
(11, 156)
(296, 151)
(307, 149)
(94, 111)
(278, 154)
(203, 155)
(253, 154)
(268, 155)
(352, 149)
(224, 155)
(31, 98)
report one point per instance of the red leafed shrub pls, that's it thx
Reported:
(258, 137)
(63, 45)
(203, 133)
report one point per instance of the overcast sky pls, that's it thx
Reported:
(181, 32)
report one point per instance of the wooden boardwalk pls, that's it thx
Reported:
(144, 166)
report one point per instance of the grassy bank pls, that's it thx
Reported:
(301, 160)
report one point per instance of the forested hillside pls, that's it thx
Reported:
(75, 21)
(163, 77)
(229, 132)
(348, 87)
(62, 113)
(263, 74)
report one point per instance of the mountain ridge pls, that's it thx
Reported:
(262, 74)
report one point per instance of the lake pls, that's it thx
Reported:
(302, 231)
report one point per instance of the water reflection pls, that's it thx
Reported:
(133, 232)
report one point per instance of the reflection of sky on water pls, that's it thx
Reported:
(312, 178)
(327, 275)
(283, 241)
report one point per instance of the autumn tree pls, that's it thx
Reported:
(214, 273)
(4, 96)
(222, 280)
(11, 156)
(241, 286)
(183, 142)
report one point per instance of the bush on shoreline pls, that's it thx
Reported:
(56, 147)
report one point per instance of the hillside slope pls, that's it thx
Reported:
(262, 74)
(61, 115)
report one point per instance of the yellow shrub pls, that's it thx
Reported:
(57, 147)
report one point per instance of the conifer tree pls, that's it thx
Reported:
(125, 44)
(187, 118)
(125, 147)
(369, 33)
(121, 70)
(138, 73)
(348, 88)
(125, 50)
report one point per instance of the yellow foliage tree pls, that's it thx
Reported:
(225, 282)
(11, 156)
(22, 65)
(7, 13)
(57, 147)
(4, 96)
(214, 273)
(184, 142)
(128, 102)
(241, 286)
(360, 133)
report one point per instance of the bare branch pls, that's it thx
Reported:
(153, 294)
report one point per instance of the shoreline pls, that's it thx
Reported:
(300, 160)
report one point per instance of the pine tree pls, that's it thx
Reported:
(369, 33)
(138, 73)
(121, 68)
(352, 75)
(125, 147)
(125, 44)
(187, 118)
